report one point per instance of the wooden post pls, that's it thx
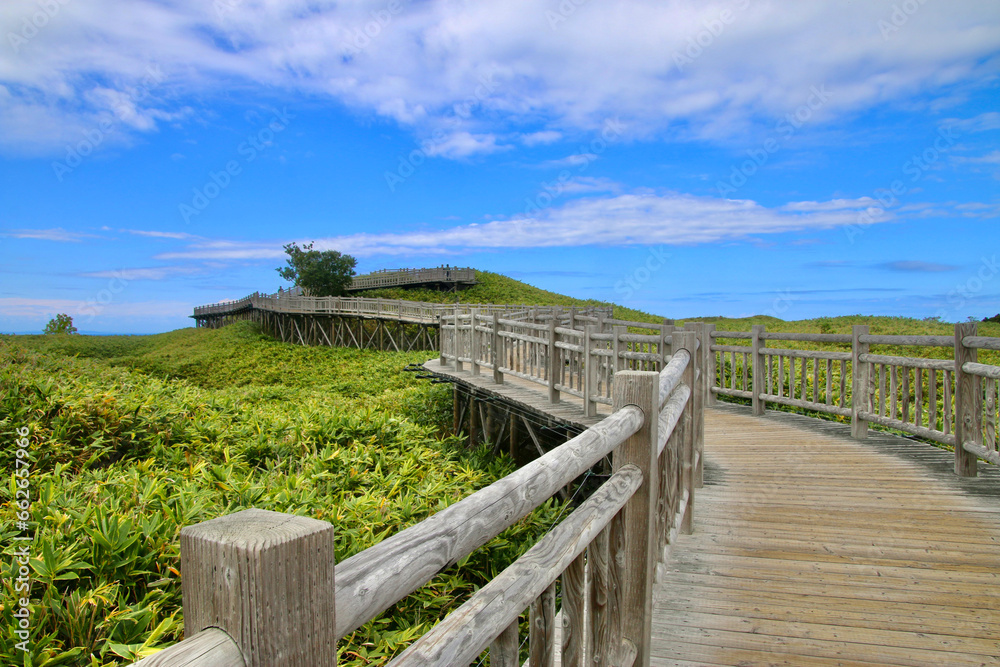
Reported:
(618, 346)
(267, 580)
(699, 391)
(513, 436)
(638, 517)
(573, 613)
(496, 354)
(757, 343)
(473, 420)
(456, 402)
(710, 365)
(968, 402)
(590, 374)
(541, 636)
(458, 341)
(685, 340)
(474, 343)
(553, 359)
(504, 649)
(860, 381)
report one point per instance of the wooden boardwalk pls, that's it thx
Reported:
(811, 548)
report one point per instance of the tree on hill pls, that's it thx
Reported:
(61, 323)
(318, 272)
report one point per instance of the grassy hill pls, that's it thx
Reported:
(497, 288)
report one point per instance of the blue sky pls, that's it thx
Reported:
(796, 159)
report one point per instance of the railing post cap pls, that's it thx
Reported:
(252, 528)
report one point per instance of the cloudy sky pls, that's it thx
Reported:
(687, 158)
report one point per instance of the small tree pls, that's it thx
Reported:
(61, 323)
(318, 272)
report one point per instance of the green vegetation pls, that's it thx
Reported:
(318, 272)
(132, 438)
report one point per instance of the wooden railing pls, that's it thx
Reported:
(576, 355)
(397, 277)
(410, 311)
(951, 401)
(261, 588)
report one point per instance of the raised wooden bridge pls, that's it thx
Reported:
(723, 534)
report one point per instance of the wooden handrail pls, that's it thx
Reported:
(897, 392)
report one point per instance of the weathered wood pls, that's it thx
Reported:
(573, 612)
(809, 405)
(982, 452)
(371, 581)
(266, 579)
(209, 648)
(687, 341)
(860, 381)
(542, 629)
(982, 370)
(814, 338)
(496, 351)
(641, 389)
(464, 633)
(672, 375)
(968, 402)
(923, 341)
(505, 648)
(923, 432)
(805, 354)
(908, 362)
(981, 342)
(759, 405)
(598, 598)
(670, 415)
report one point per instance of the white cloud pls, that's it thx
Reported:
(543, 137)
(55, 234)
(636, 218)
(20, 307)
(486, 68)
(160, 235)
(150, 273)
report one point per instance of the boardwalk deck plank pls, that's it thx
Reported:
(801, 557)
